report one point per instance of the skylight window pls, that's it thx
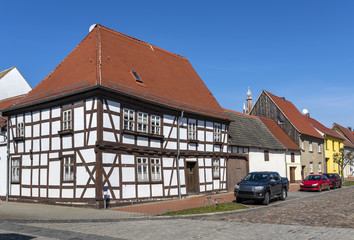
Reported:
(137, 77)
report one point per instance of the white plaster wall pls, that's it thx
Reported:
(128, 174)
(168, 119)
(155, 143)
(142, 141)
(114, 106)
(143, 191)
(183, 133)
(3, 166)
(128, 191)
(171, 145)
(54, 173)
(67, 193)
(79, 118)
(128, 139)
(92, 138)
(89, 155)
(106, 121)
(13, 84)
(108, 136)
(67, 141)
(209, 137)
(276, 161)
(201, 135)
(157, 190)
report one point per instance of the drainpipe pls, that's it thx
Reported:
(286, 164)
(178, 156)
(324, 154)
(8, 157)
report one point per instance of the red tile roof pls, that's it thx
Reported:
(279, 134)
(107, 58)
(324, 129)
(5, 103)
(346, 133)
(294, 116)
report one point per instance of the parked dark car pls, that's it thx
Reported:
(334, 180)
(262, 187)
(315, 182)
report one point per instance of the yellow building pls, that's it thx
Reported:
(333, 143)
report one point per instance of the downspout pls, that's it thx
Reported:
(324, 155)
(178, 156)
(8, 158)
(286, 164)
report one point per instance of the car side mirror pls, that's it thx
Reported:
(272, 180)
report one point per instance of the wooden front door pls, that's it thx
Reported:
(192, 178)
(236, 169)
(292, 174)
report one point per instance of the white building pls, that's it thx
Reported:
(12, 83)
(108, 116)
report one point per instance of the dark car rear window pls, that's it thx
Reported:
(313, 178)
(331, 176)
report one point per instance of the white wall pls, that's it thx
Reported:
(3, 165)
(13, 84)
(276, 161)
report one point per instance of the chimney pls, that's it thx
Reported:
(307, 114)
(349, 128)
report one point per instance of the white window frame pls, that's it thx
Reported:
(310, 146)
(217, 132)
(15, 170)
(142, 169)
(311, 167)
(67, 120)
(155, 124)
(68, 168)
(155, 164)
(192, 131)
(302, 145)
(20, 129)
(319, 167)
(143, 122)
(216, 168)
(128, 119)
(319, 147)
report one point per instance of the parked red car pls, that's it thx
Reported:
(315, 182)
(334, 180)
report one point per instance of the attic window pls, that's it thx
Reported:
(280, 121)
(137, 77)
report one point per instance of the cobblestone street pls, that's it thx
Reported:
(305, 215)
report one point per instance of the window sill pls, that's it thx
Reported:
(19, 139)
(218, 143)
(193, 141)
(68, 181)
(142, 134)
(65, 132)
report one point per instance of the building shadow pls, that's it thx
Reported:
(14, 236)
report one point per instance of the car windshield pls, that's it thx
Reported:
(330, 175)
(313, 178)
(256, 177)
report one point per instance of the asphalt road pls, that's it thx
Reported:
(304, 215)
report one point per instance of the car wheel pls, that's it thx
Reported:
(239, 200)
(266, 199)
(340, 185)
(283, 194)
(320, 188)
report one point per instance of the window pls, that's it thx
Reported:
(15, 170)
(319, 167)
(302, 145)
(137, 77)
(68, 168)
(128, 120)
(310, 146)
(67, 120)
(142, 122)
(266, 155)
(155, 169)
(326, 144)
(311, 167)
(292, 157)
(20, 129)
(333, 146)
(142, 165)
(334, 166)
(280, 121)
(216, 168)
(192, 131)
(319, 148)
(155, 125)
(217, 133)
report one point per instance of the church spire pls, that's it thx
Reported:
(249, 101)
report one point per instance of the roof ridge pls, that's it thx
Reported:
(246, 115)
(141, 42)
(6, 71)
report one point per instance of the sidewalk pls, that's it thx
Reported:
(157, 208)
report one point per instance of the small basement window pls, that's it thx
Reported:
(137, 77)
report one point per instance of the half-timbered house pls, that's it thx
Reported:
(117, 112)
(296, 126)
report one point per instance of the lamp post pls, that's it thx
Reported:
(8, 156)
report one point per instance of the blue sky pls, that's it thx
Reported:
(300, 50)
